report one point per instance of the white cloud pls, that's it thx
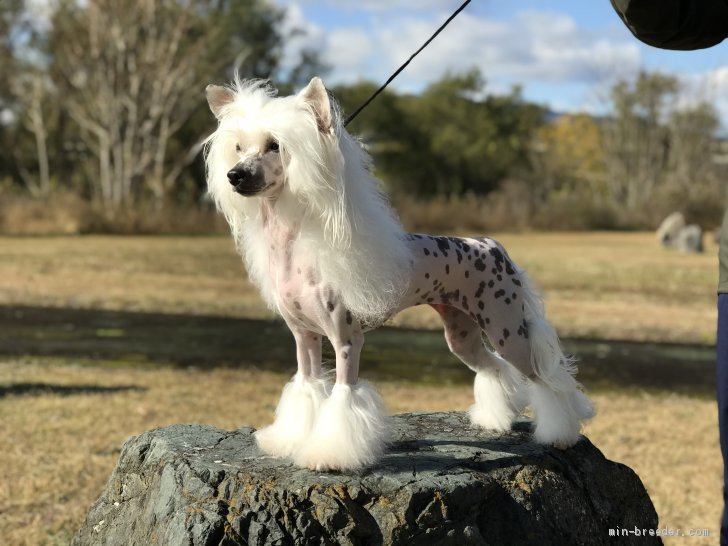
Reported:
(299, 34)
(541, 46)
(385, 5)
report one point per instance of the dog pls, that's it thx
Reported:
(328, 254)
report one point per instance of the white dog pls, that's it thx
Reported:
(323, 246)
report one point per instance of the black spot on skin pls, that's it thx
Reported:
(481, 305)
(417, 291)
(464, 334)
(480, 322)
(465, 302)
(509, 268)
(506, 333)
(499, 277)
(466, 247)
(494, 271)
(491, 283)
(459, 256)
(468, 257)
(499, 258)
(427, 275)
(443, 245)
(434, 254)
(467, 274)
(447, 269)
(481, 287)
(479, 265)
(501, 342)
(349, 318)
(499, 293)
(330, 306)
(514, 296)
(508, 301)
(456, 294)
(487, 320)
(344, 355)
(423, 296)
(516, 282)
(523, 330)
(297, 305)
(426, 251)
(434, 283)
(477, 253)
(430, 300)
(348, 342)
(288, 294)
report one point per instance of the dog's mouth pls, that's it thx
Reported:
(248, 191)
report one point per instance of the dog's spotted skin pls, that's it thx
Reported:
(471, 283)
(475, 287)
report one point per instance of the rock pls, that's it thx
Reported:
(670, 228)
(441, 482)
(690, 239)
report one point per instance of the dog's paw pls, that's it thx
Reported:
(296, 415)
(350, 433)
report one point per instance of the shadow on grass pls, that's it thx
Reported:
(38, 389)
(131, 338)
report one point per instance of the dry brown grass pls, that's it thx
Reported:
(58, 449)
(597, 285)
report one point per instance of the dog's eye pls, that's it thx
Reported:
(273, 146)
(237, 148)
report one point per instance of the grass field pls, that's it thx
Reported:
(597, 285)
(62, 420)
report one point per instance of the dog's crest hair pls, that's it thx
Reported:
(329, 191)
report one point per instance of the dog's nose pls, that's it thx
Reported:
(237, 175)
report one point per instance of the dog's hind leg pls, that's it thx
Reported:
(554, 394)
(300, 402)
(498, 387)
(351, 430)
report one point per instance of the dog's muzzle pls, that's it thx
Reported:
(247, 178)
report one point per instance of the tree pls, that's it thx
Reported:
(132, 74)
(569, 156)
(692, 144)
(450, 140)
(636, 139)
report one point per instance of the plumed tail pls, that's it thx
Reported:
(555, 370)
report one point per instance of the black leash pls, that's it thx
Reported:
(374, 96)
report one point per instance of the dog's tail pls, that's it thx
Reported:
(556, 396)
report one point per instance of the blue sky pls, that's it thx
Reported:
(565, 53)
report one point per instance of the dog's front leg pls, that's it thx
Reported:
(351, 429)
(300, 402)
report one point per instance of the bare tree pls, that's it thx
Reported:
(31, 91)
(132, 73)
(692, 132)
(636, 139)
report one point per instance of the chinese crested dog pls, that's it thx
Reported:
(322, 244)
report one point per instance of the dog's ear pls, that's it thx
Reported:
(316, 95)
(217, 97)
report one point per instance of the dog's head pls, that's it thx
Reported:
(261, 138)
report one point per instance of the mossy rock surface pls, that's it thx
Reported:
(441, 482)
